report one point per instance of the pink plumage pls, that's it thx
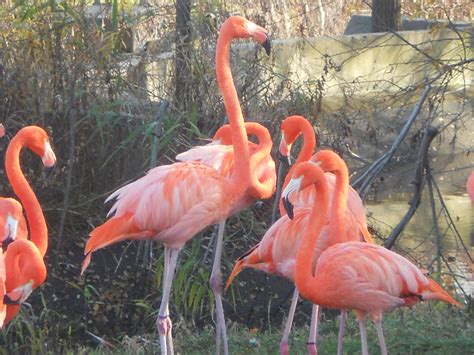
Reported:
(470, 186)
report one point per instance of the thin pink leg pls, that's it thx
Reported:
(342, 326)
(216, 285)
(363, 337)
(383, 347)
(312, 344)
(284, 348)
(163, 323)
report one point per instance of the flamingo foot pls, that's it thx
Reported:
(311, 347)
(284, 348)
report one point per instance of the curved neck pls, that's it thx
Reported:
(34, 213)
(337, 227)
(304, 278)
(309, 145)
(260, 189)
(240, 177)
(20, 257)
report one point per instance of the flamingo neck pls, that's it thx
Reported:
(304, 278)
(309, 145)
(240, 177)
(337, 228)
(21, 187)
(260, 189)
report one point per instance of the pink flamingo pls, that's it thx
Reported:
(276, 252)
(220, 155)
(361, 276)
(470, 186)
(172, 203)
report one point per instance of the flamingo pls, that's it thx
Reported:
(2, 130)
(291, 128)
(24, 270)
(276, 252)
(11, 214)
(470, 186)
(35, 139)
(172, 203)
(355, 275)
(220, 155)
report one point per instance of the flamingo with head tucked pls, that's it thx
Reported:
(172, 203)
(361, 276)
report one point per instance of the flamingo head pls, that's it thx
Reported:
(223, 135)
(11, 213)
(290, 131)
(305, 174)
(243, 28)
(32, 273)
(38, 141)
(329, 161)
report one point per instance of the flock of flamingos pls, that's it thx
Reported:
(320, 243)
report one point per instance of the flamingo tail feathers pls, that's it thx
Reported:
(436, 292)
(247, 260)
(112, 231)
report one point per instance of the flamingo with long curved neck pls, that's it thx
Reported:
(219, 154)
(172, 203)
(25, 270)
(35, 139)
(276, 252)
(361, 276)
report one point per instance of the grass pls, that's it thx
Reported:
(425, 329)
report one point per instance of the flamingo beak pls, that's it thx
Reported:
(49, 158)
(267, 46)
(261, 36)
(19, 294)
(284, 151)
(12, 226)
(293, 185)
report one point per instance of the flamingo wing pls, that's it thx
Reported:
(372, 279)
(171, 203)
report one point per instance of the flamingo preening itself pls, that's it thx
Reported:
(276, 252)
(364, 277)
(172, 203)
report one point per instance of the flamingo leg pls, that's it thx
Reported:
(284, 348)
(216, 285)
(363, 337)
(383, 347)
(163, 323)
(342, 326)
(312, 344)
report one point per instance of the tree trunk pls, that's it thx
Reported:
(386, 15)
(183, 41)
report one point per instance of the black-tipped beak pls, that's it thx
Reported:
(267, 45)
(288, 207)
(6, 242)
(285, 159)
(8, 300)
(49, 171)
